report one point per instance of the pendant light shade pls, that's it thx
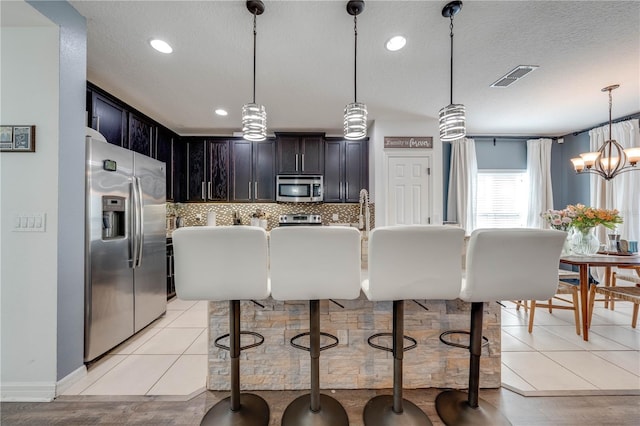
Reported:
(355, 121)
(452, 119)
(254, 116)
(254, 122)
(355, 113)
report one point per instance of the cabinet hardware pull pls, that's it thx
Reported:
(296, 162)
(255, 189)
(302, 155)
(202, 191)
(98, 123)
(346, 191)
(209, 192)
(249, 190)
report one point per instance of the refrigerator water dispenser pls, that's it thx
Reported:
(113, 220)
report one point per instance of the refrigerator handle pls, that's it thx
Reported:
(133, 248)
(140, 229)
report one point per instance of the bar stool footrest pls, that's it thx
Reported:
(242, 348)
(308, 349)
(485, 341)
(413, 345)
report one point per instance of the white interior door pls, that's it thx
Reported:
(408, 193)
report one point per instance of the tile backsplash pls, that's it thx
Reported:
(195, 214)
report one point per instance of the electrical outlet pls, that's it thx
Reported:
(335, 217)
(198, 217)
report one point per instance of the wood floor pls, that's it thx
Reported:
(78, 410)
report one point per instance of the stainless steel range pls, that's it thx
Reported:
(300, 219)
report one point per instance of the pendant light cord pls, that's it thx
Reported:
(610, 103)
(451, 70)
(254, 56)
(355, 59)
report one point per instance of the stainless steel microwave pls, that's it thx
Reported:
(299, 189)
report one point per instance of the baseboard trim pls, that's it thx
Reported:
(28, 391)
(70, 379)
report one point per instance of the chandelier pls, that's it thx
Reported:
(254, 116)
(452, 117)
(611, 159)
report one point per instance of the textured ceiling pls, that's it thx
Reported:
(305, 62)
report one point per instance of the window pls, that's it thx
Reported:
(502, 198)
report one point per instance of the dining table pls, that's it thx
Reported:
(583, 262)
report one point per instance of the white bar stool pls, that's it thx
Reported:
(226, 263)
(313, 263)
(408, 262)
(502, 264)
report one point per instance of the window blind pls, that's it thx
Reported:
(501, 199)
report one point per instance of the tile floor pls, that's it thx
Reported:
(169, 357)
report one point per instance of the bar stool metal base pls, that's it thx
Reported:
(454, 410)
(331, 413)
(379, 412)
(253, 411)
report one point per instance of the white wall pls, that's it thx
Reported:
(28, 184)
(377, 175)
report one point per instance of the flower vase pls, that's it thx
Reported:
(585, 242)
(566, 247)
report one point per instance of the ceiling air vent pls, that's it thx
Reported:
(514, 75)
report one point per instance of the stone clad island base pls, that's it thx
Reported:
(353, 364)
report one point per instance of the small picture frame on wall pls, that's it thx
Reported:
(18, 139)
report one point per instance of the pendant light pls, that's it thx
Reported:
(254, 116)
(355, 113)
(452, 117)
(611, 159)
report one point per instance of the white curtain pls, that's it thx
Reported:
(539, 177)
(463, 175)
(623, 191)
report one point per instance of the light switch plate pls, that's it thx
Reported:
(30, 222)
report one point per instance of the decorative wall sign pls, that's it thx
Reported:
(18, 138)
(408, 142)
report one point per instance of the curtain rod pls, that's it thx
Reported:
(617, 120)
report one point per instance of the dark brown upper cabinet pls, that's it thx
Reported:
(207, 169)
(346, 170)
(140, 134)
(300, 154)
(253, 171)
(108, 117)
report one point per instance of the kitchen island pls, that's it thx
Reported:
(353, 364)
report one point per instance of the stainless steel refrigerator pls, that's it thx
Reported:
(125, 265)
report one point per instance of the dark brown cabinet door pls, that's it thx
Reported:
(264, 161)
(333, 170)
(179, 170)
(253, 171)
(140, 134)
(300, 155)
(218, 171)
(355, 176)
(312, 155)
(109, 118)
(196, 173)
(346, 170)
(163, 151)
(241, 168)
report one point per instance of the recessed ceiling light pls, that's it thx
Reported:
(222, 112)
(396, 43)
(161, 46)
